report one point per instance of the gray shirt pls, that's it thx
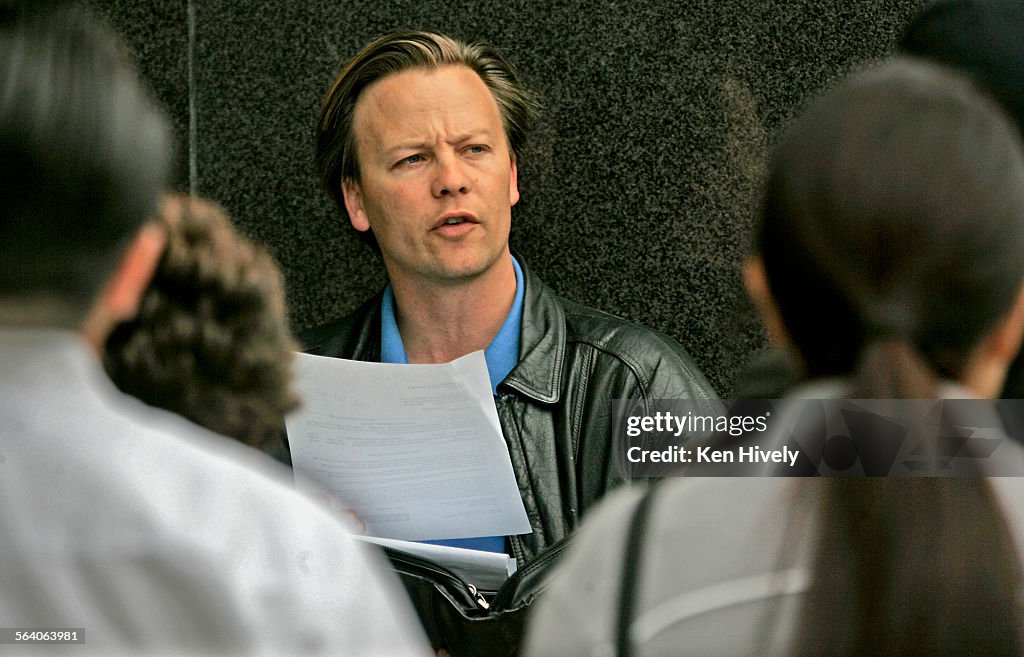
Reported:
(725, 567)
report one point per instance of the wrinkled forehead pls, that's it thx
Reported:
(422, 103)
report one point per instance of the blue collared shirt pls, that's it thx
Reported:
(501, 355)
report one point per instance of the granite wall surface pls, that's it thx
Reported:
(638, 186)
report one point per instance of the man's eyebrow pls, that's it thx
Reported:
(482, 133)
(407, 146)
(461, 138)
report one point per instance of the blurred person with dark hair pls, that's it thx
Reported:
(984, 40)
(211, 340)
(888, 256)
(128, 528)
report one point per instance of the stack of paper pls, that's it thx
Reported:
(415, 451)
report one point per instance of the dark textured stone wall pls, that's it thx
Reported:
(156, 35)
(637, 189)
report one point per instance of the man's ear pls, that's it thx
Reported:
(354, 204)
(756, 281)
(513, 183)
(120, 297)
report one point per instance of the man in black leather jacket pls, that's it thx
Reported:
(417, 143)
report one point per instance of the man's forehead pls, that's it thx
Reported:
(395, 105)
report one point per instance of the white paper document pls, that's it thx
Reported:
(487, 571)
(415, 450)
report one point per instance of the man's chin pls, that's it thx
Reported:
(457, 275)
(456, 271)
(452, 269)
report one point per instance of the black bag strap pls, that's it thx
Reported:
(631, 570)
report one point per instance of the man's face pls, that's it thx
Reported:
(437, 182)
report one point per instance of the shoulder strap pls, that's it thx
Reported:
(631, 571)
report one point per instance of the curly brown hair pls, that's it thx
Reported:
(211, 339)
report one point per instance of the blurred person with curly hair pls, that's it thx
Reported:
(211, 339)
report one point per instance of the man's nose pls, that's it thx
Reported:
(450, 176)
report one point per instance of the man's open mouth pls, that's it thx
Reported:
(455, 220)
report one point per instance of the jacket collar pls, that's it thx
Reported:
(541, 343)
(365, 338)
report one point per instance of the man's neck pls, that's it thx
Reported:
(441, 322)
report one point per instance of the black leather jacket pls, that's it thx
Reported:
(555, 406)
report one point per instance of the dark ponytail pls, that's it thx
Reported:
(909, 566)
(903, 185)
(891, 368)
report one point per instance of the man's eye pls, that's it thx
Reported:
(412, 159)
(476, 150)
